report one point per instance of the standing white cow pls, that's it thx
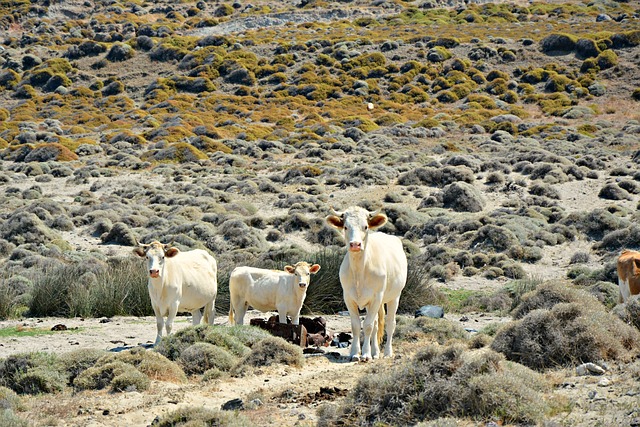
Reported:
(180, 281)
(373, 273)
(267, 290)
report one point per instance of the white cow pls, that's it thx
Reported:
(267, 290)
(180, 281)
(373, 273)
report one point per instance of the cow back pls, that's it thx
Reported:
(193, 275)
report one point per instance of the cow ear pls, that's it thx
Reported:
(377, 221)
(335, 222)
(289, 269)
(171, 252)
(314, 269)
(140, 252)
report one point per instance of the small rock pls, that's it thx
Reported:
(232, 405)
(604, 382)
(432, 311)
(592, 394)
(589, 369)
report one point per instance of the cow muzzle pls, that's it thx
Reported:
(154, 273)
(302, 285)
(355, 246)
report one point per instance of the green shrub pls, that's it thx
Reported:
(421, 328)
(607, 59)
(115, 289)
(9, 419)
(76, 362)
(199, 416)
(119, 376)
(9, 399)
(201, 357)
(151, 363)
(10, 300)
(269, 351)
(32, 373)
(444, 381)
(237, 339)
(552, 333)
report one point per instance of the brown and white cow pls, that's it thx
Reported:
(628, 274)
(180, 281)
(373, 273)
(267, 290)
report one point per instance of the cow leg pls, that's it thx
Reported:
(210, 313)
(370, 322)
(159, 324)
(196, 317)
(390, 326)
(173, 311)
(282, 314)
(355, 330)
(375, 347)
(295, 319)
(240, 311)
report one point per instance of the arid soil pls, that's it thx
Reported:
(288, 396)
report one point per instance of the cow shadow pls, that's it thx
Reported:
(124, 347)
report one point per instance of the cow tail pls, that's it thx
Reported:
(380, 324)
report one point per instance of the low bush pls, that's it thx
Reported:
(554, 333)
(238, 339)
(153, 364)
(32, 373)
(76, 362)
(420, 328)
(199, 416)
(269, 351)
(548, 294)
(86, 289)
(201, 357)
(117, 375)
(444, 381)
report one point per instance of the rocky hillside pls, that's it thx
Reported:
(500, 139)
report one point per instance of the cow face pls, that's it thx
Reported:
(356, 222)
(155, 253)
(303, 272)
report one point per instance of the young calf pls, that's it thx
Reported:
(267, 290)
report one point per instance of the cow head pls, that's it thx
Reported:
(155, 253)
(303, 272)
(355, 223)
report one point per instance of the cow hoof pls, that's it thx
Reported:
(355, 358)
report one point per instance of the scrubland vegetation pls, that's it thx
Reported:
(501, 136)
